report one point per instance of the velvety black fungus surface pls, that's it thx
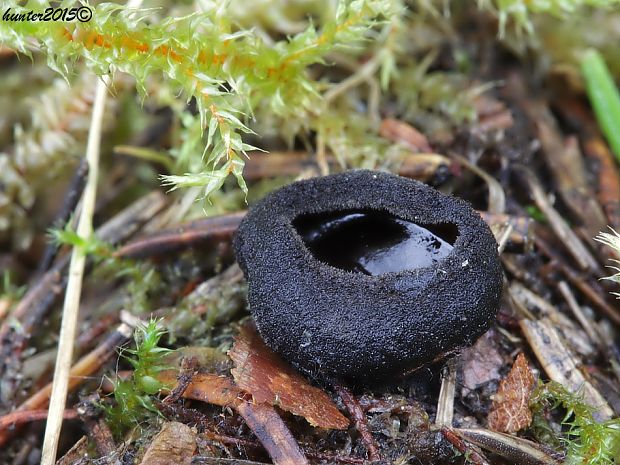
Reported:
(315, 305)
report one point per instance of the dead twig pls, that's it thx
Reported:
(188, 368)
(22, 417)
(215, 229)
(243, 443)
(564, 159)
(18, 327)
(359, 418)
(218, 460)
(68, 325)
(586, 324)
(221, 228)
(72, 197)
(575, 247)
(271, 431)
(98, 429)
(591, 290)
(497, 196)
(84, 367)
(261, 418)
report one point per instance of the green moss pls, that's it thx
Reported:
(587, 441)
(133, 398)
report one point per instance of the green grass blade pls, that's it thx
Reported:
(604, 97)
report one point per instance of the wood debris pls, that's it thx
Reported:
(561, 365)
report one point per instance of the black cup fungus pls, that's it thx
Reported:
(363, 274)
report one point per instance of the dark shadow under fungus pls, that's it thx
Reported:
(362, 275)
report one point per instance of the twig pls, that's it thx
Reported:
(240, 443)
(72, 197)
(565, 161)
(18, 327)
(188, 366)
(503, 238)
(74, 285)
(99, 432)
(272, 432)
(577, 280)
(589, 328)
(361, 423)
(497, 196)
(576, 248)
(84, 367)
(21, 417)
(222, 227)
(222, 461)
(216, 228)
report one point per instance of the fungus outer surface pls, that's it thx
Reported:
(333, 285)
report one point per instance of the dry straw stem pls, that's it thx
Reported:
(74, 286)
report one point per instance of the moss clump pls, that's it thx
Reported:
(133, 397)
(587, 441)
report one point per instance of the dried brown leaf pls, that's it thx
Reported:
(175, 444)
(270, 380)
(511, 412)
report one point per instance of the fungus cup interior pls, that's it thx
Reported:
(374, 242)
